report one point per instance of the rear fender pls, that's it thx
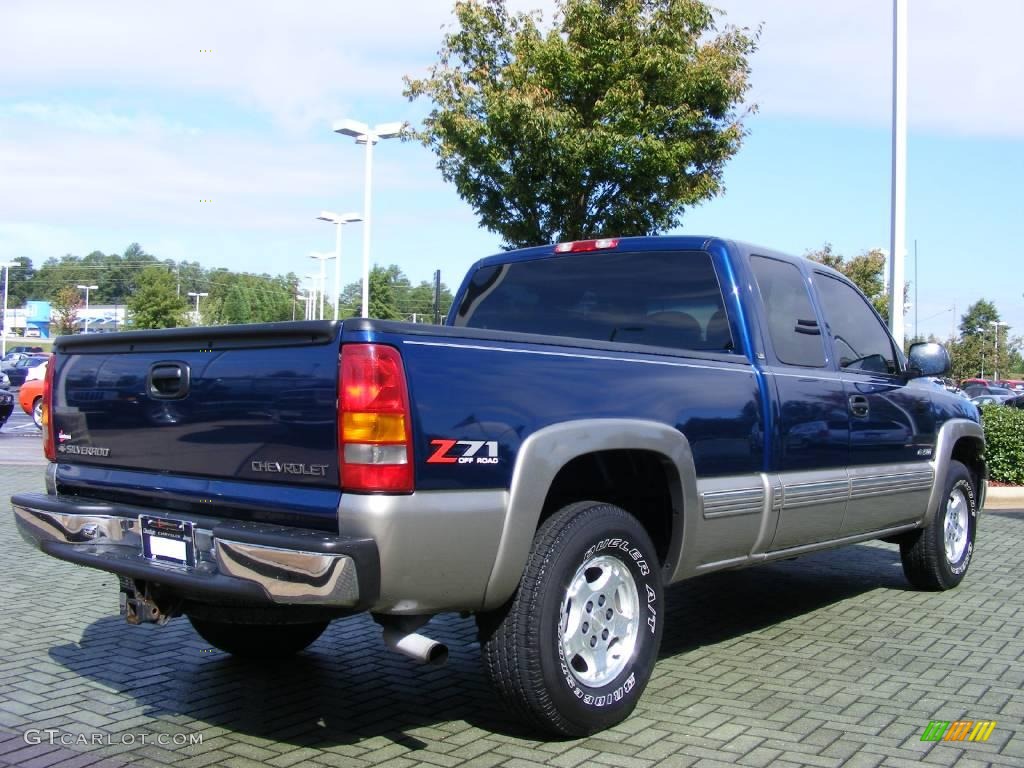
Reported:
(541, 457)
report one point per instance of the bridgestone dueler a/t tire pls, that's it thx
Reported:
(522, 644)
(923, 553)
(258, 641)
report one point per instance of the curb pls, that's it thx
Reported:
(1005, 497)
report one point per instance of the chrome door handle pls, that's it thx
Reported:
(859, 405)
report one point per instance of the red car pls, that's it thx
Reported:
(31, 398)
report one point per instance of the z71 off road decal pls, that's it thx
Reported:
(463, 452)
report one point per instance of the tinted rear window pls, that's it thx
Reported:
(660, 298)
(792, 324)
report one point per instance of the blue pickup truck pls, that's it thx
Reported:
(596, 420)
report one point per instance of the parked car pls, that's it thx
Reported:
(36, 373)
(18, 372)
(30, 397)
(24, 349)
(5, 382)
(975, 390)
(1014, 385)
(965, 383)
(1015, 402)
(6, 406)
(991, 399)
(596, 420)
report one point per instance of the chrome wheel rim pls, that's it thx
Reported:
(37, 413)
(955, 528)
(599, 621)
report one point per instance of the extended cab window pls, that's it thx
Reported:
(792, 324)
(859, 339)
(661, 298)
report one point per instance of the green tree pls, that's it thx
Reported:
(866, 271)
(65, 304)
(976, 321)
(19, 282)
(155, 302)
(383, 290)
(237, 305)
(611, 121)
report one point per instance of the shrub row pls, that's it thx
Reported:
(1004, 443)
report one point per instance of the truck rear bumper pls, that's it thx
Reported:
(232, 561)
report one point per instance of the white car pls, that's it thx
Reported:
(39, 372)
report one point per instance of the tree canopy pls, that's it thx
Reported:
(156, 292)
(155, 303)
(866, 271)
(610, 121)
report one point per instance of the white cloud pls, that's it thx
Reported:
(306, 63)
(833, 61)
(80, 119)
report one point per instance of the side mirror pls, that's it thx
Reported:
(927, 358)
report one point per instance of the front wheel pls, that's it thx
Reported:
(573, 650)
(936, 557)
(258, 641)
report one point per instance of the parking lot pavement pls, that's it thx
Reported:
(20, 439)
(824, 661)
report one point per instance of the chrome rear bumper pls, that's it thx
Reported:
(235, 561)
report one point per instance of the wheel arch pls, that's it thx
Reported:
(959, 440)
(551, 454)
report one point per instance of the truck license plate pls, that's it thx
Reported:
(168, 541)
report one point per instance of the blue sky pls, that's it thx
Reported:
(114, 125)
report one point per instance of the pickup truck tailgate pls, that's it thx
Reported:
(254, 403)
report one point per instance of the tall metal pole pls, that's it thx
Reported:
(916, 337)
(898, 221)
(337, 267)
(7, 279)
(367, 181)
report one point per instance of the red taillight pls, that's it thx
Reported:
(579, 246)
(48, 442)
(374, 423)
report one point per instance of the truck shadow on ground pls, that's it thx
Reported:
(347, 688)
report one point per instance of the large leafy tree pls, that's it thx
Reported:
(866, 270)
(611, 121)
(156, 303)
(978, 319)
(978, 350)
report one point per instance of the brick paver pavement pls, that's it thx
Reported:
(828, 660)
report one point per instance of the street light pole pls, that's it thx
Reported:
(898, 209)
(339, 220)
(197, 295)
(6, 265)
(363, 134)
(87, 288)
(995, 358)
(981, 332)
(322, 257)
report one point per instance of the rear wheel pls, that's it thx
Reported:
(937, 556)
(258, 641)
(574, 649)
(37, 412)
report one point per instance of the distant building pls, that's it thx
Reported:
(38, 319)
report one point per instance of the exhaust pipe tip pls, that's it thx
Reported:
(416, 646)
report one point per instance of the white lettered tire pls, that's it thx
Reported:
(937, 556)
(573, 650)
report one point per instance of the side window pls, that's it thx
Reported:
(792, 324)
(657, 298)
(859, 340)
